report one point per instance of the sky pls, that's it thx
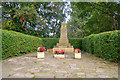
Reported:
(67, 9)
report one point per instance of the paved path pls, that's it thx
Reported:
(28, 66)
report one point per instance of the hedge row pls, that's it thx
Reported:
(105, 45)
(51, 42)
(15, 44)
(76, 42)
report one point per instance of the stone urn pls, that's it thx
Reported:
(40, 52)
(78, 55)
(40, 55)
(59, 54)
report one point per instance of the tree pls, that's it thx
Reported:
(38, 19)
(97, 16)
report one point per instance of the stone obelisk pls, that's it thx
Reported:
(63, 41)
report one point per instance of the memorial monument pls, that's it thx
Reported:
(63, 41)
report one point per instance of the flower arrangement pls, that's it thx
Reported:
(41, 49)
(59, 52)
(49, 50)
(77, 50)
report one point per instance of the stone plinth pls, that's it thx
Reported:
(65, 49)
(78, 55)
(59, 55)
(63, 41)
(40, 55)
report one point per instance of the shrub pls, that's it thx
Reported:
(49, 42)
(76, 42)
(87, 44)
(105, 45)
(15, 44)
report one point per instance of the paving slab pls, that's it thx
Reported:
(29, 66)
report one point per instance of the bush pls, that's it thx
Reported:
(105, 45)
(76, 42)
(49, 42)
(15, 44)
(87, 44)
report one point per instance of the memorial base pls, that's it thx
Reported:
(59, 56)
(78, 55)
(40, 55)
(65, 49)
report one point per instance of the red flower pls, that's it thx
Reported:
(42, 49)
(49, 49)
(59, 52)
(77, 50)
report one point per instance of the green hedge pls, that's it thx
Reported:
(105, 45)
(49, 42)
(76, 42)
(15, 44)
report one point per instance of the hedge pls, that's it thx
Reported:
(49, 42)
(105, 45)
(76, 42)
(15, 44)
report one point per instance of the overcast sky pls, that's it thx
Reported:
(67, 9)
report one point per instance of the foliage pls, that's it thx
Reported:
(94, 17)
(104, 45)
(76, 42)
(49, 42)
(15, 44)
(49, 50)
(75, 26)
(33, 18)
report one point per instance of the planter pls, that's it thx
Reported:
(59, 55)
(78, 55)
(40, 55)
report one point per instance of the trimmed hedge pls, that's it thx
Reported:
(49, 42)
(76, 42)
(15, 44)
(105, 45)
